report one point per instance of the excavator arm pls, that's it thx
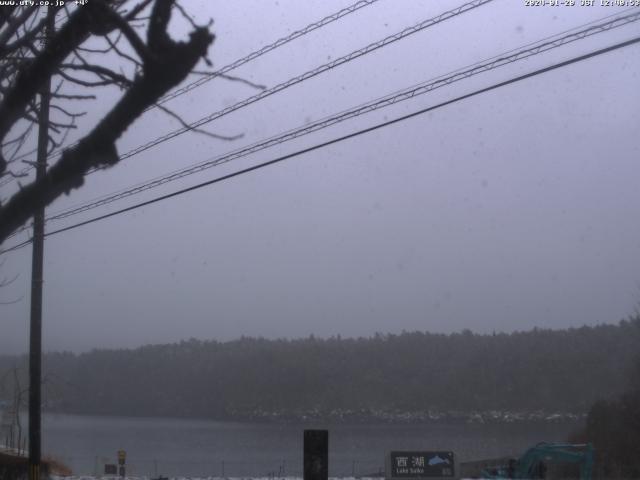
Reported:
(544, 459)
(536, 461)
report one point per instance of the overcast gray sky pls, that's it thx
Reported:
(510, 210)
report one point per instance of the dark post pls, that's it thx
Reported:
(316, 454)
(35, 333)
(122, 458)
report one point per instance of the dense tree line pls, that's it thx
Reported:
(613, 426)
(549, 370)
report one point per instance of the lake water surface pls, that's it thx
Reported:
(173, 447)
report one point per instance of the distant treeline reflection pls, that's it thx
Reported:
(344, 378)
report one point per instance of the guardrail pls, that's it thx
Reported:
(218, 468)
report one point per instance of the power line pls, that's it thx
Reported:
(267, 48)
(341, 139)
(300, 78)
(397, 97)
(538, 47)
(328, 121)
(309, 74)
(235, 64)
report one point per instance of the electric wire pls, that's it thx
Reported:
(460, 74)
(266, 49)
(309, 74)
(340, 139)
(328, 121)
(235, 64)
(242, 152)
(396, 97)
(211, 162)
(501, 60)
(300, 78)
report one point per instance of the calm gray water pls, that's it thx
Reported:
(207, 448)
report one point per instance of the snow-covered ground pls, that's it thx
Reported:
(113, 477)
(110, 477)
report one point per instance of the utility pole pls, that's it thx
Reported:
(35, 334)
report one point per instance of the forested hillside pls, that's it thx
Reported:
(539, 370)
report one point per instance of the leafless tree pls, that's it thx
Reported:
(15, 397)
(32, 54)
(14, 401)
(4, 282)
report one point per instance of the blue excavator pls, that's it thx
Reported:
(548, 461)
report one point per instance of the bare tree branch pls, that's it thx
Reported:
(233, 78)
(101, 71)
(198, 130)
(114, 46)
(67, 113)
(34, 73)
(13, 24)
(136, 10)
(165, 64)
(73, 97)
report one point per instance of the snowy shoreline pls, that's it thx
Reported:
(144, 477)
(412, 417)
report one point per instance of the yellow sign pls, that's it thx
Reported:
(122, 455)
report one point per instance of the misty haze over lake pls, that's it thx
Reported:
(199, 447)
(415, 227)
(507, 211)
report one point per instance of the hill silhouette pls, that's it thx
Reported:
(384, 376)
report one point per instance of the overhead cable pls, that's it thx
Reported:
(340, 139)
(233, 65)
(309, 74)
(266, 49)
(510, 56)
(386, 101)
(305, 76)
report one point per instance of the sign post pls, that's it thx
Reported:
(122, 458)
(316, 455)
(418, 465)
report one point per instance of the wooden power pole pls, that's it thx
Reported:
(35, 333)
